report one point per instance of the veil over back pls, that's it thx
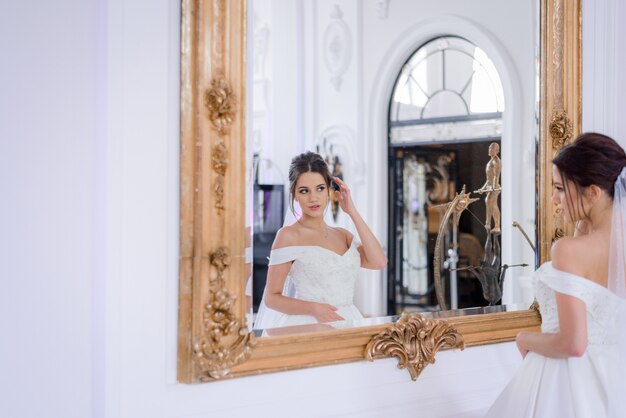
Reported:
(617, 285)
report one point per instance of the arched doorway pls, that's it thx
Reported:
(445, 110)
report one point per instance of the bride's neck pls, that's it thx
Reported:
(602, 219)
(313, 223)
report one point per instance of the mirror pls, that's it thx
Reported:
(353, 62)
(406, 99)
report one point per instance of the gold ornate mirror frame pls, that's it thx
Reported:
(213, 337)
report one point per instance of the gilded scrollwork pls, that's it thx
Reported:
(220, 260)
(414, 340)
(220, 158)
(218, 191)
(561, 129)
(219, 164)
(221, 104)
(225, 340)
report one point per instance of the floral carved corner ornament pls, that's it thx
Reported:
(414, 340)
(225, 340)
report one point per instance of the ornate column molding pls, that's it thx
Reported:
(213, 331)
(414, 340)
(560, 105)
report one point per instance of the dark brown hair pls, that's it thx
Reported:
(305, 163)
(590, 159)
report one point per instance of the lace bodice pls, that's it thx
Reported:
(319, 274)
(601, 304)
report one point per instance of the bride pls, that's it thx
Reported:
(576, 366)
(313, 267)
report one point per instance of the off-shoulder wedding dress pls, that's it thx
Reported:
(574, 386)
(317, 275)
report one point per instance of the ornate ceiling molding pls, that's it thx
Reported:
(337, 47)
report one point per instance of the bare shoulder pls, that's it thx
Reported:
(347, 234)
(569, 253)
(285, 237)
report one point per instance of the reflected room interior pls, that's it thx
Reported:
(406, 149)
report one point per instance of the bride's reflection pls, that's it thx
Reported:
(313, 267)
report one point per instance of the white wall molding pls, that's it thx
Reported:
(382, 8)
(599, 66)
(337, 47)
(604, 54)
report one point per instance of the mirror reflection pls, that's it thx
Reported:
(409, 107)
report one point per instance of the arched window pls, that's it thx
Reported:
(448, 90)
(445, 110)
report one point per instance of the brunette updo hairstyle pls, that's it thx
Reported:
(591, 158)
(305, 163)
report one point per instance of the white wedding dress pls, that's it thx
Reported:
(317, 275)
(575, 386)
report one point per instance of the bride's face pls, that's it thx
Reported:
(565, 195)
(311, 193)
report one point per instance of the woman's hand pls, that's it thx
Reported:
(518, 340)
(324, 312)
(344, 197)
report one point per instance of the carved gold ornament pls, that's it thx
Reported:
(561, 132)
(414, 340)
(225, 340)
(218, 191)
(561, 129)
(220, 158)
(221, 103)
(220, 164)
(220, 259)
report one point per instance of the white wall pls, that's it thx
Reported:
(50, 195)
(88, 237)
(604, 68)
